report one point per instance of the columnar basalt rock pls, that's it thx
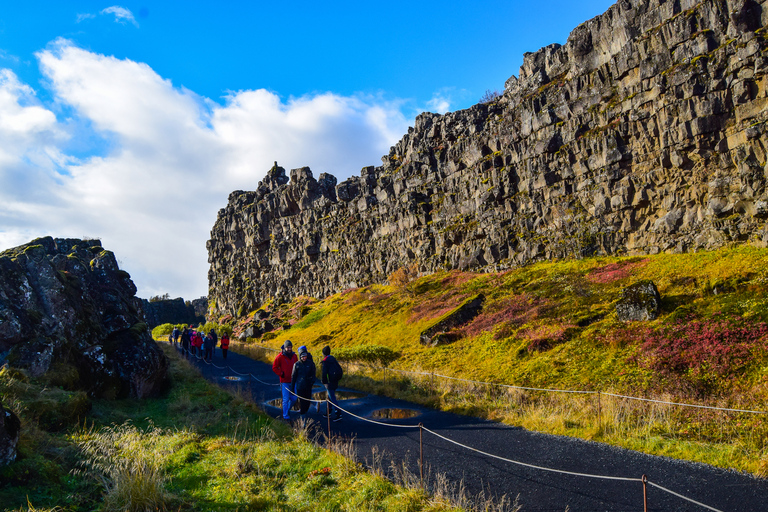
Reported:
(66, 302)
(645, 132)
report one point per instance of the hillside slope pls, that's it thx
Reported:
(554, 325)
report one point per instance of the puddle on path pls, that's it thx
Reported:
(340, 395)
(319, 395)
(393, 414)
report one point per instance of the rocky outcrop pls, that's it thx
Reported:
(10, 427)
(640, 301)
(172, 311)
(645, 132)
(467, 310)
(66, 301)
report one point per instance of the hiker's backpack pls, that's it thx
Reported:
(335, 373)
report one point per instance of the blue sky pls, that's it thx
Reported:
(132, 122)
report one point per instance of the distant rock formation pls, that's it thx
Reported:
(173, 311)
(65, 301)
(645, 132)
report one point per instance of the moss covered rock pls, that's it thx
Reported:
(66, 309)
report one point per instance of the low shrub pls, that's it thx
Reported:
(162, 330)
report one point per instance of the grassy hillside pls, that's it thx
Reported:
(198, 448)
(553, 325)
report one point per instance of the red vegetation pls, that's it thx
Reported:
(614, 272)
(437, 306)
(720, 347)
(509, 313)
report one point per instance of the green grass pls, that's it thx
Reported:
(197, 448)
(553, 325)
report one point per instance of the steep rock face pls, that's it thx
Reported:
(65, 301)
(645, 132)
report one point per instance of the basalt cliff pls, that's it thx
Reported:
(645, 132)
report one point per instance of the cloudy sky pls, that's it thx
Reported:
(132, 123)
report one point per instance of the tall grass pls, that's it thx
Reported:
(129, 464)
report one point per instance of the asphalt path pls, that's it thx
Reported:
(537, 489)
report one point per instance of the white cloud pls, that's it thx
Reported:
(439, 104)
(84, 16)
(172, 159)
(121, 14)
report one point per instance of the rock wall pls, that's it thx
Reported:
(65, 305)
(645, 132)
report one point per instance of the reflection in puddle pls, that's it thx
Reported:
(278, 402)
(393, 414)
(319, 395)
(233, 378)
(340, 395)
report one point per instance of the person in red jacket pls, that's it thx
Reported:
(224, 344)
(283, 368)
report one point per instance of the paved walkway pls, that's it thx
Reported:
(538, 489)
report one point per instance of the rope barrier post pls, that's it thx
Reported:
(328, 416)
(421, 454)
(599, 411)
(645, 493)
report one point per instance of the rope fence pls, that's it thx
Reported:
(643, 479)
(553, 390)
(433, 375)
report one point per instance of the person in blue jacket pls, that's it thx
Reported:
(303, 378)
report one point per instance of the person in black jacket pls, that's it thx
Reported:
(303, 378)
(330, 374)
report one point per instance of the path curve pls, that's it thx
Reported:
(538, 490)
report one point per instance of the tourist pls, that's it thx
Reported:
(176, 334)
(224, 345)
(208, 348)
(212, 335)
(283, 368)
(303, 378)
(330, 375)
(185, 341)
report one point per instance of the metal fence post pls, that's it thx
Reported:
(645, 493)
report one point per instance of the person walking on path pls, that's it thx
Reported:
(330, 375)
(175, 334)
(212, 335)
(303, 378)
(224, 345)
(185, 340)
(283, 368)
(208, 345)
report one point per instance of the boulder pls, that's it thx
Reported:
(66, 300)
(640, 301)
(436, 333)
(10, 427)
